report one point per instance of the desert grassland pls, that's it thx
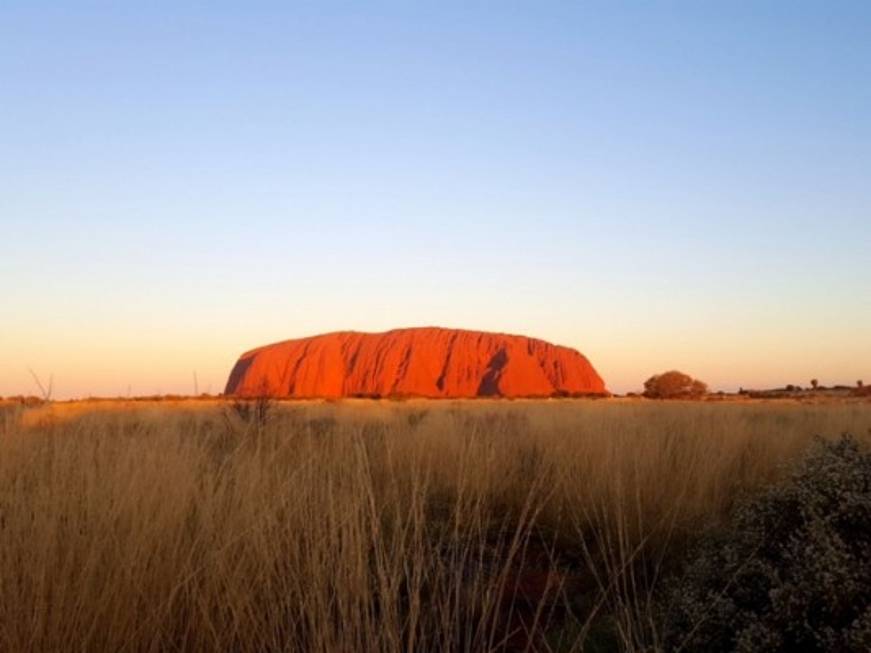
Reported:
(370, 526)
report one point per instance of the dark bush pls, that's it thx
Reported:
(862, 391)
(792, 573)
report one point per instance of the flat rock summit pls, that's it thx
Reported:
(417, 362)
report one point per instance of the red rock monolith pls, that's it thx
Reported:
(418, 362)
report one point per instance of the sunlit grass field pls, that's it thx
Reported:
(371, 526)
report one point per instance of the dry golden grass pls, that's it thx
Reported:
(369, 526)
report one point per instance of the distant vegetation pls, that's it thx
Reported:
(814, 392)
(379, 527)
(24, 400)
(674, 385)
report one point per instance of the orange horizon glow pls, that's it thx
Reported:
(117, 368)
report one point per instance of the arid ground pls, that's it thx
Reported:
(363, 526)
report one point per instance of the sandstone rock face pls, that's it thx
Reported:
(419, 362)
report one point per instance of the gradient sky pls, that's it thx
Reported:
(658, 185)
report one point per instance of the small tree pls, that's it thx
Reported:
(674, 385)
(814, 384)
(45, 391)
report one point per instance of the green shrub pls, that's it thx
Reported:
(792, 573)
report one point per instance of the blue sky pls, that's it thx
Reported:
(656, 184)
